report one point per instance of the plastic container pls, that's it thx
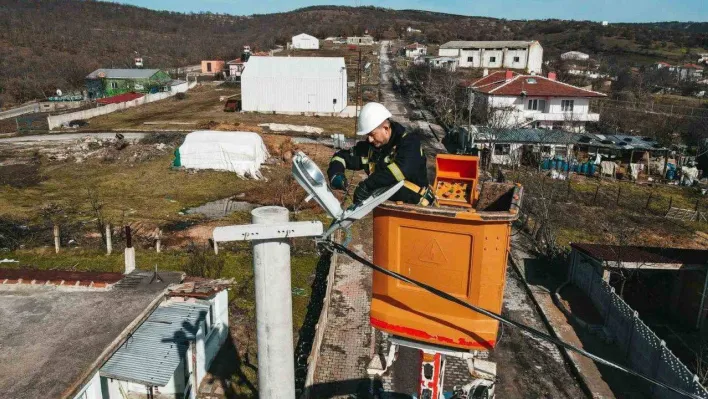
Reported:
(456, 179)
(462, 251)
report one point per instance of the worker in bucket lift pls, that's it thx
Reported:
(388, 155)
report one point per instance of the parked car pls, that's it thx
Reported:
(76, 123)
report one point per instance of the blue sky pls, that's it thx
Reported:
(595, 10)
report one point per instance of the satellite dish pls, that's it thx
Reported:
(59, 93)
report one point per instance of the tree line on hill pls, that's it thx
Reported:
(50, 44)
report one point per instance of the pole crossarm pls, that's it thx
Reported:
(250, 232)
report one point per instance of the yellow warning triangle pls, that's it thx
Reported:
(432, 253)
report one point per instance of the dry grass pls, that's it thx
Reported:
(202, 108)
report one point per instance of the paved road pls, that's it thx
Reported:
(67, 137)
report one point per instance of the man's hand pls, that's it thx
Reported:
(339, 182)
(361, 193)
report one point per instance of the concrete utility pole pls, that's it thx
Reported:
(109, 239)
(270, 233)
(129, 252)
(57, 238)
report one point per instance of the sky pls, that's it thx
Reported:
(594, 10)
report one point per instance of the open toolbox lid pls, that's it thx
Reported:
(311, 178)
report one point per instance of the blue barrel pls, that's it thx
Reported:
(591, 168)
(546, 164)
(564, 166)
(670, 174)
(584, 168)
(554, 164)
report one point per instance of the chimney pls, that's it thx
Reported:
(509, 75)
(551, 75)
(485, 72)
(129, 252)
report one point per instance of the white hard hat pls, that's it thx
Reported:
(370, 117)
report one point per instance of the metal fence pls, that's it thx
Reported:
(645, 352)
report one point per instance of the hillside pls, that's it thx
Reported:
(49, 44)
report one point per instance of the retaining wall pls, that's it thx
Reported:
(21, 110)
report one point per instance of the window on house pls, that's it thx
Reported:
(492, 59)
(470, 59)
(114, 85)
(567, 105)
(517, 59)
(502, 149)
(208, 66)
(536, 105)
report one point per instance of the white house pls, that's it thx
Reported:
(416, 50)
(304, 41)
(170, 352)
(575, 56)
(522, 55)
(365, 40)
(236, 68)
(294, 85)
(534, 101)
(114, 335)
(449, 63)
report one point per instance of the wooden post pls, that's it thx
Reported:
(671, 202)
(57, 238)
(567, 194)
(648, 200)
(698, 201)
(594, 199)
(214, 245)
(109, 240)
(158, 244)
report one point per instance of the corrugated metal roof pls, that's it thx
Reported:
(122, 73)
(486, 44)
(295, 67)
(547, 136)
(152, 353)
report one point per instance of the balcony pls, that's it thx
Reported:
(561, 116)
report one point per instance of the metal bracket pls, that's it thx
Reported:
(249, 232)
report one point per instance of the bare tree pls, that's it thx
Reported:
(621, 236)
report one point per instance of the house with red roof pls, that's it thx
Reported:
(416, 50)
(534, 101)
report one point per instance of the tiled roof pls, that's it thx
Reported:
(532, 85)
(693, 66)
(121, 98)
(58, 278)
(637, 254)
(415, 46)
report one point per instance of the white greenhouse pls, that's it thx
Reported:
(294, 85)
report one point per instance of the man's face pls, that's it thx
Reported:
(380, 136)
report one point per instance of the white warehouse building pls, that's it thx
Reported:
(523, 55)
(303, 41)
(294, 85)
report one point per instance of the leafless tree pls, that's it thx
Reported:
(621, 235)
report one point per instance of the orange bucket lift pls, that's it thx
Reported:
(460, 247)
